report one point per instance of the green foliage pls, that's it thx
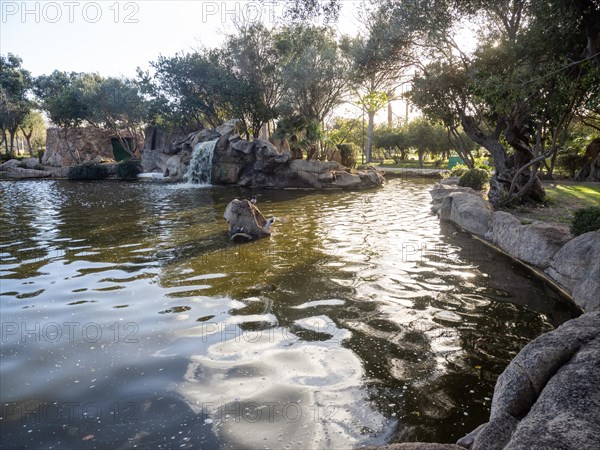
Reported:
(459, 170)
(345, 130)
(129, 170)
(316, 70)
(73, 99)
(571, 162)
(88, 171)
(585, 220)
(349, 153)
(33, 129)
(15, 83)
(474, 178)
(516, 93)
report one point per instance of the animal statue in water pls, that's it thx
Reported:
(246, 222)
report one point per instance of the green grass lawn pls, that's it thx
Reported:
(583, 194)
(413, 164)
(562, 199)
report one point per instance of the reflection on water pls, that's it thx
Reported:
(128, 319)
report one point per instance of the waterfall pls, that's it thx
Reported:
(200, 168)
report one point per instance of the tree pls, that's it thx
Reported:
(379, 60)
(186, 89)
(253, 60)
(33, 129)
(15, 83)
(66, 97)
(116, 104)
(74, 99)
(315, 70)
(517, 93)
(427, 138)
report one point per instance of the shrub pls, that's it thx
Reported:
(459, 170)
(571, 162)
(474, 178)
(348, 152)
(129, 170)
(585, 220)
(40, 155)
(87, 171)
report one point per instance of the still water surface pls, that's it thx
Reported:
(129, 320)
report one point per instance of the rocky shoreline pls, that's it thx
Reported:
(549, 395)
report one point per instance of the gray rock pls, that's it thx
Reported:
(10, 164)
(540, 241)
(203, 136)
(231, 126)
(370, 176)
(440, 191)
(153, 160)
(495, 434)
(535, 243)
(415, 446)
(243, 146)
(18, 173)
(576, 266)
(506, 230)
(345, 180)
(245, 221)
(549, 395)
(567, 412)
(173, 168)
(30, 163)
(468, 211)
(468, 440)
(255, 164)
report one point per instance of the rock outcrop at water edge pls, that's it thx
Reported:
(576, 266)
(549, 395)
(256, 163)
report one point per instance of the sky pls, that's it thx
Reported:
(115, 37)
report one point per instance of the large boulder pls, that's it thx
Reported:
(10, 164)
(245, 221)
(173, 168)
(549, 395)
(441, 190)
(576, 266)
(534, 243)
(19, 173)
(469, 211)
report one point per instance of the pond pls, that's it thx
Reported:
(129, 320)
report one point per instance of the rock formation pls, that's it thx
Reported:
(72, 146)
(27, 168)
(256, 163)
(245, 221)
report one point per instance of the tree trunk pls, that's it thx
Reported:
(509, 183)
(12, 134)
(368, 150)
(390, 114)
